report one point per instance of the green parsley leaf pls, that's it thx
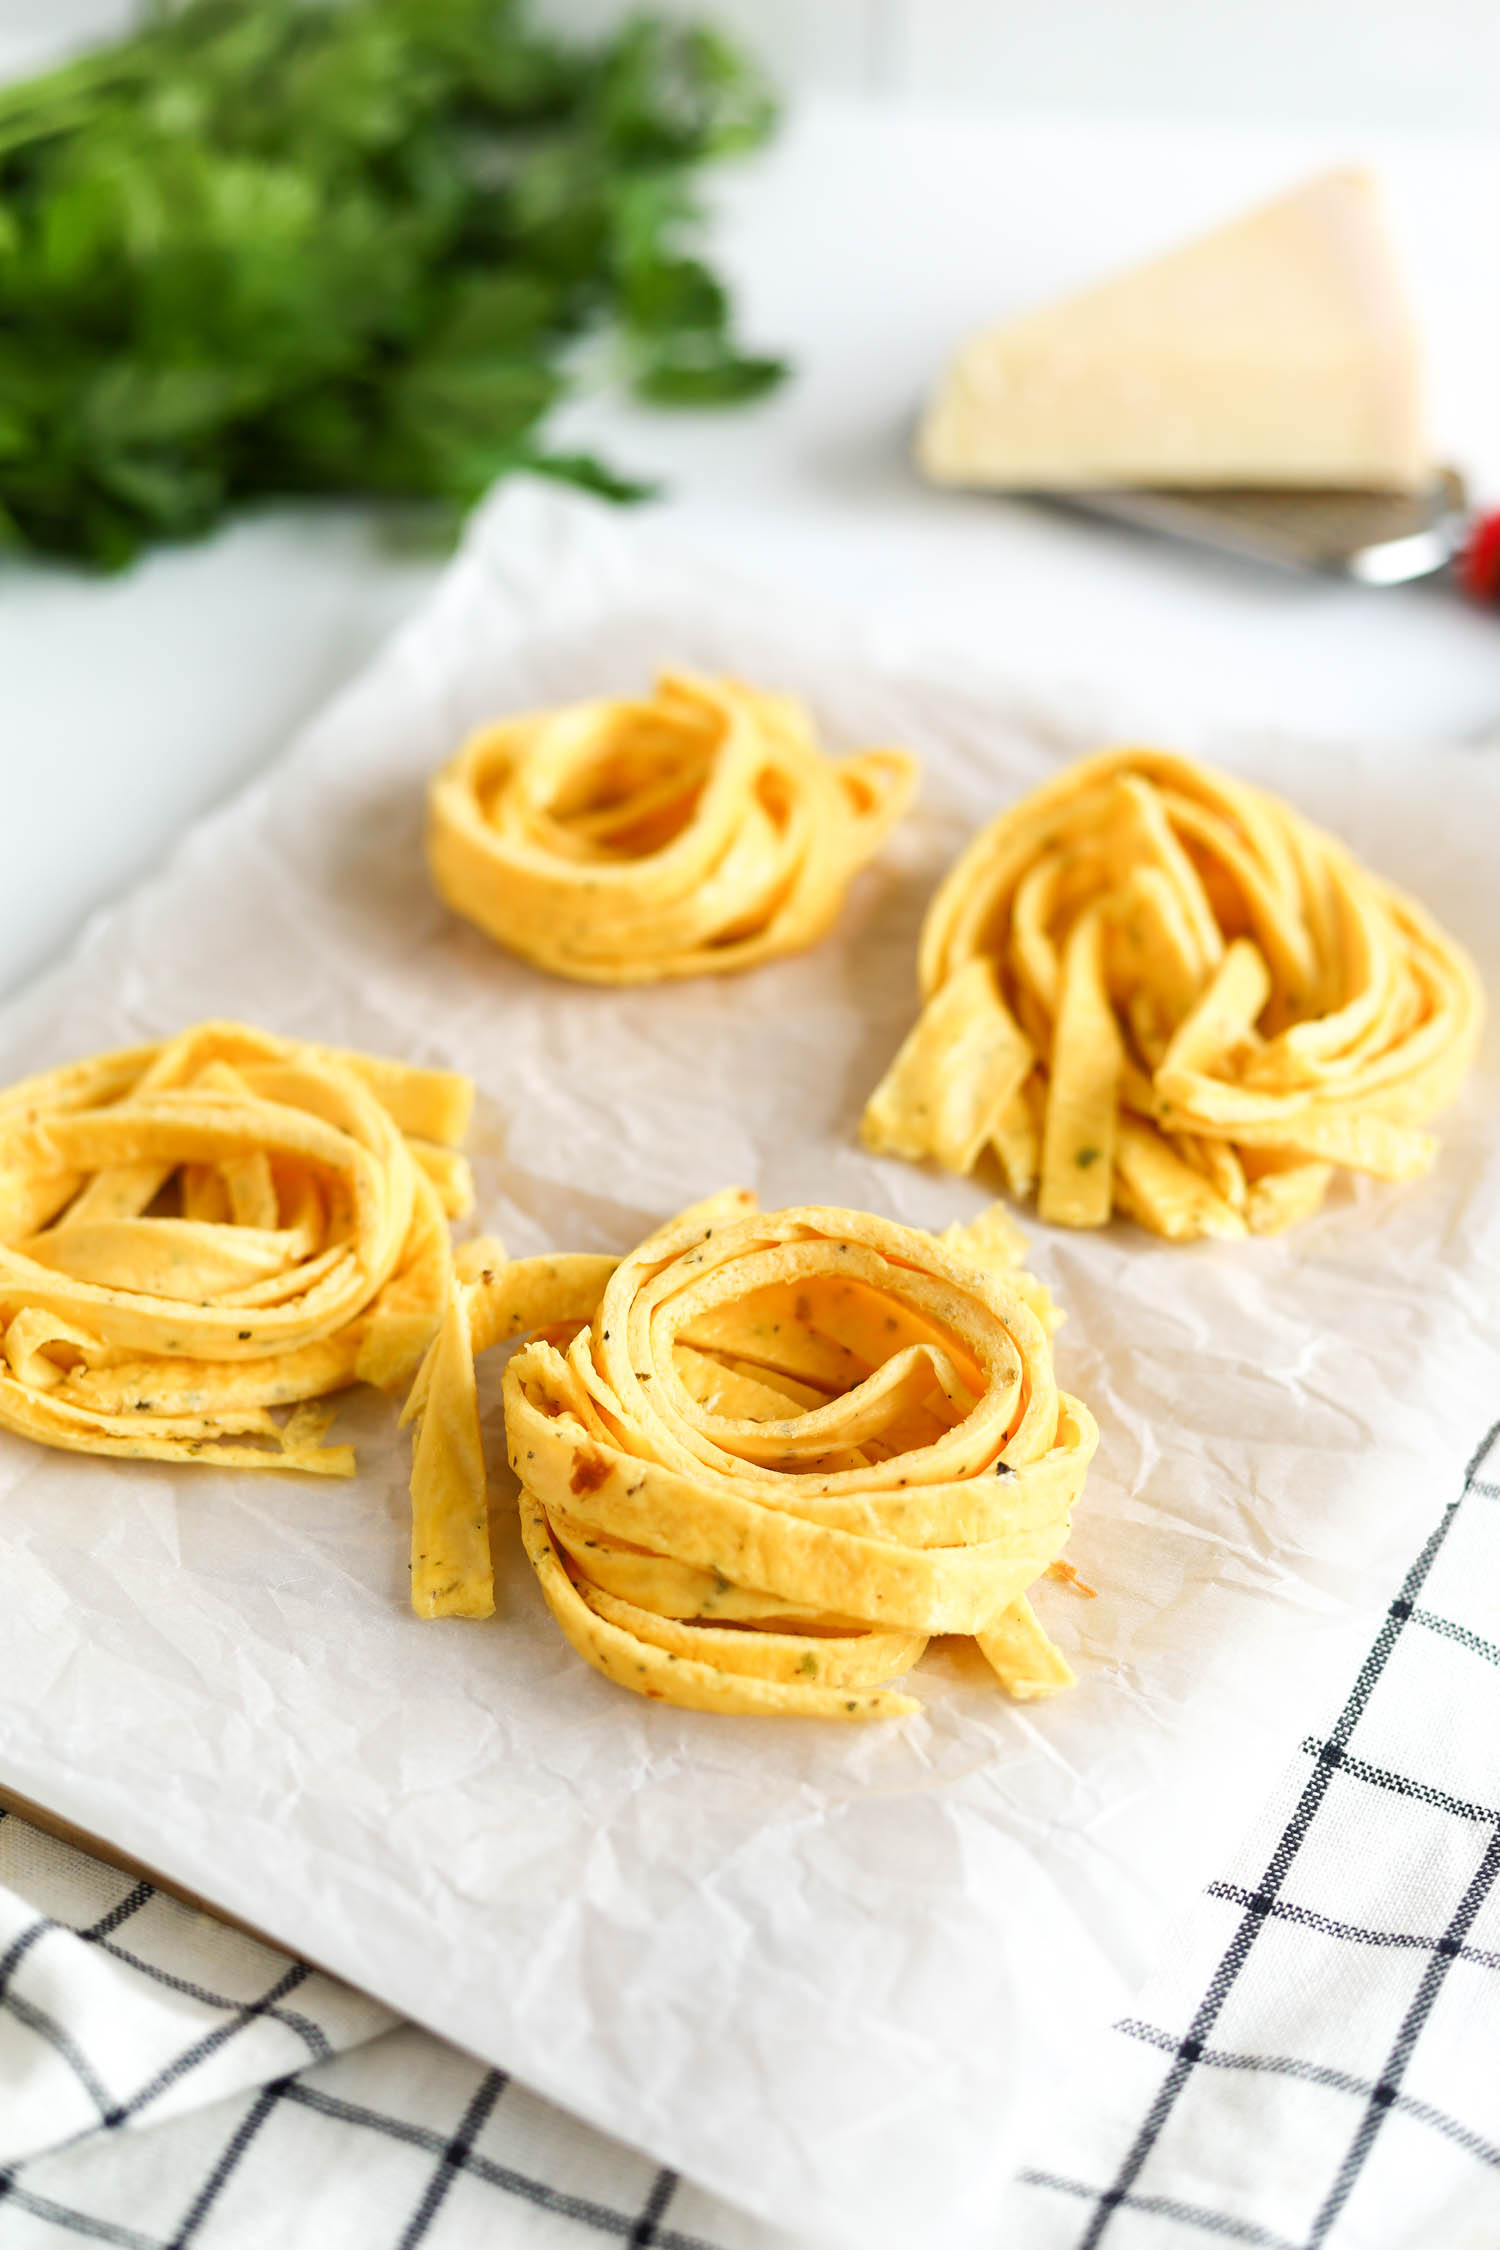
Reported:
(272, 247)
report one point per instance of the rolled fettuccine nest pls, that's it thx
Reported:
(764, 1457)
(1152, 988)
(198, 1232)
(700, 831)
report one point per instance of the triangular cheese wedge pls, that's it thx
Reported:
(1277, 351)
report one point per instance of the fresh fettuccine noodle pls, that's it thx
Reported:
(764, 1457)
(1152, 988)
(700, 831)
(196, 1233)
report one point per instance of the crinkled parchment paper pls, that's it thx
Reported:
(828, 1973)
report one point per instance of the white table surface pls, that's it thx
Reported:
(864, 244)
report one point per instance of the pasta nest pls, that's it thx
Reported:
(767, 1455)
(1154, 988)
(703, 830)
(196, 1232)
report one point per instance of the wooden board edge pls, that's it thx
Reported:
(98, 1847)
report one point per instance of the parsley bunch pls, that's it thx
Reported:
(281, 246)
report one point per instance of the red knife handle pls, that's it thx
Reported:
(1479, 563)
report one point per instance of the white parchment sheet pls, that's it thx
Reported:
(829, 1973)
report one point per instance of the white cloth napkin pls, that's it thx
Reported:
(1317, 2062)
(166, 2080)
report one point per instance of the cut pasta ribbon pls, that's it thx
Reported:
(196, 1233)
(622, 843)
(766, 1456)
(1154, 989)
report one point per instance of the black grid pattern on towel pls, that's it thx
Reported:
(441, 2157)
(441, 2137)
(1343, 1795)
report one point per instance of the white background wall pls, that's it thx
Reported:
(1425, 66)
(1420, 65)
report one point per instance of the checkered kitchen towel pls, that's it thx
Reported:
(1320, 2066)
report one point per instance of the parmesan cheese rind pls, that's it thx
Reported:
(1278, 350)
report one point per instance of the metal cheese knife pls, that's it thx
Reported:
(1377, 538)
